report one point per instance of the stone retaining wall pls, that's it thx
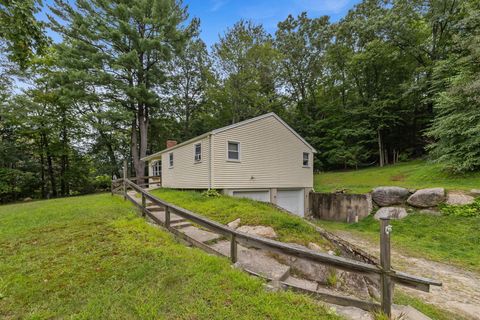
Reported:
(340, 207)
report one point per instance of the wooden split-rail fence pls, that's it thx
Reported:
(388, 276)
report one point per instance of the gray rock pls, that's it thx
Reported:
(431, 212)
(391, 212)
(234, 224)
(262, 231)
(426, 198)
(387, 196)
(27, 199)
(309, 270)
(353, 283)
(315, 247)
(459, 199)
(475, 192)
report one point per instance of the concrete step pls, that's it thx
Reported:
(301, 283)
(155, 208)
(398, 312)
(199, 234)
(407, 313)
(352, 313)
(256, 261)
(181, 224)
(173, 217)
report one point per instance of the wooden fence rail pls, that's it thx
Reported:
(387, 275)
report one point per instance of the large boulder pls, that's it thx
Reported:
(459, 199)
(234, 224)
(388, 196)
(426, 198)
(262, 231)
(391, 213)
(475, 192)
(305, 268)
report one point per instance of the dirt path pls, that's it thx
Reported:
(460, 292)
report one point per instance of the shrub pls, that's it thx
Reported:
(102, 183)
(469, 210)
(212, 193)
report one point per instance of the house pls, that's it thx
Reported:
(261, 158)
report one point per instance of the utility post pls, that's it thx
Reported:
(385, 262)
(125, 179)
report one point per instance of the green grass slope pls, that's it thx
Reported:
(91, 257)
(225, 209)
(414, 174)
(448, 239)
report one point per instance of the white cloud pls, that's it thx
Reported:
(323, 6)
(217, 4)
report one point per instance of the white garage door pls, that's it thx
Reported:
(255, 195)
(291, 200)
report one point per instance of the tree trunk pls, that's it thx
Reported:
(380, 148)
(42, 169)
(51, 174)
(139, 141)
(64, 189)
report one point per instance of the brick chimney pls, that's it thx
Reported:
(171, 143)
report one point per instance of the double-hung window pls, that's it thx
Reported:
(198, 152)
(306, 159)
(233, 151)
(170, 159)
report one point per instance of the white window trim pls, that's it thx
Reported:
(170, 162)
(308, 163)
(156, 167)
(239, 152)
(195, 152)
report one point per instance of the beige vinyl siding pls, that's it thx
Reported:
(269, 152)
(186, 173)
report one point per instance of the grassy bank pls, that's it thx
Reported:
(291, 229)
(447, 239)
(91, 257)
(414, 174)
(225, 209)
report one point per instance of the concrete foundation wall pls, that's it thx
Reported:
(340, 207)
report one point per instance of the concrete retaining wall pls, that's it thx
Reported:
(340, 207)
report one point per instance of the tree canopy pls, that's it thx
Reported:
(392, 80)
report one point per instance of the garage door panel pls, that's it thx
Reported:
(254, 195)
(291, 200)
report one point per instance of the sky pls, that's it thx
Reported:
(218, 15)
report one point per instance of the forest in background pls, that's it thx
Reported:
(393, 80)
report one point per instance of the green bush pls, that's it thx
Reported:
(469, 210)
(212, 193)
(102, 183)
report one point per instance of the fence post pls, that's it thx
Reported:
(233, 248)
(385, 262)
(167, 217)
(144, 204)
(124, 179)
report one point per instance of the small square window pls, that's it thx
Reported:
(198, 152)
(170, 159)
(306, 159)
(233, 151)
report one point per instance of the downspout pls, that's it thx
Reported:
(210, 161)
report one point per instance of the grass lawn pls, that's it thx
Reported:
(447, 239)
(225, 209)
(91, 257)
(291, 229)
(414, 174)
